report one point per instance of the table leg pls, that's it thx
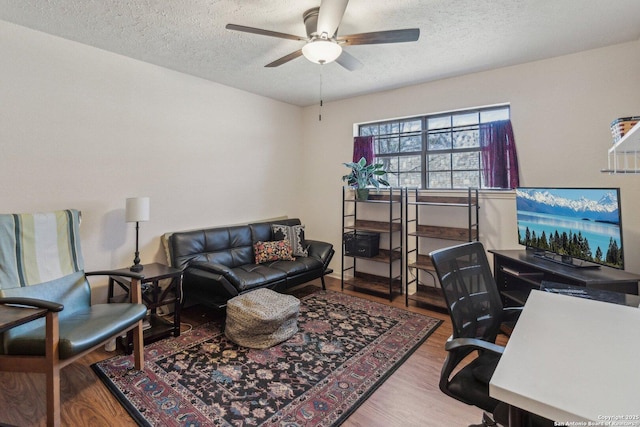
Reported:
(176, 305)
(516, 416)
(155, 292)
(138, 340)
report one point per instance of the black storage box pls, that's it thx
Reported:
(361, 243)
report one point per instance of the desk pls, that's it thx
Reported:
(572, 359)
(590, 293)
(518, 271)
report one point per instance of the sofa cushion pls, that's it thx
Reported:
(300, 265)
(251, 276)
(272, 251)
(231, 246)
(80, 330)
(294, 234)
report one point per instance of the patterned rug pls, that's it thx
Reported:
(344, 349)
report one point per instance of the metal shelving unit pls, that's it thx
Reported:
(418, 264)
(391, 199)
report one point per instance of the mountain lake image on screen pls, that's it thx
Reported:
(580, 227)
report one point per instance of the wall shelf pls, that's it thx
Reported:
(624, 155)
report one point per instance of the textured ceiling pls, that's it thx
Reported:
(457, 37)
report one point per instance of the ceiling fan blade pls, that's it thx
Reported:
(261, 32)
(330, 16)
(285, 59)
(349, 62)
(380, 37)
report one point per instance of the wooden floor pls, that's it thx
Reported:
(410, 397)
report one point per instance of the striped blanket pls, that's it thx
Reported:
(39, 247)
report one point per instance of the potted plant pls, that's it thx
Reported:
(364, 175)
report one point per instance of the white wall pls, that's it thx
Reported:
(561, 109)
(84, 128)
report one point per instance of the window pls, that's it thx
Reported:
(434, 151)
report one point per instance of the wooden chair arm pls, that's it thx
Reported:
(33, 302)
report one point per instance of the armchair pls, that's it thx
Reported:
(41, 266)
(477, 314)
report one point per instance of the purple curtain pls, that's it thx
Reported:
(499, 159)
(363, 147)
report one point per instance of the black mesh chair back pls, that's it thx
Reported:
(475, 308)
(470, 291)
(476, 312)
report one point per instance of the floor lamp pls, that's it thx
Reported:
(137, 210)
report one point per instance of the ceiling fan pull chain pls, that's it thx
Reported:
(320, 109)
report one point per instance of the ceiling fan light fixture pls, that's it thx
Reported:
(321, 51)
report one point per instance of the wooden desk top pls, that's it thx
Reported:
(572, 359)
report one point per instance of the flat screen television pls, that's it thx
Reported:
(580, 227)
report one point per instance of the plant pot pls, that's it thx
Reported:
(362, 193)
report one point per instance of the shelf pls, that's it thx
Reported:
(422, 263)
(384, 255)
(629, 171)
(378, 198)
(624, 155)
(447, 233)
(531, 277)
(373, 283)
(519, 297)
(375, 197)
(157, 328)
(429, 295)
(432, 200)
(375, 226)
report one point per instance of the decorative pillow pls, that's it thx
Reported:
(294, 234)
(272, 251)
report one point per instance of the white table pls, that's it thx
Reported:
(573, 359)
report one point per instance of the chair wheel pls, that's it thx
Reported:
(487, 421)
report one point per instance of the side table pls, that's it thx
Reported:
(153, 297)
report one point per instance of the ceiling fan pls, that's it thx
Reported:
(322, 44)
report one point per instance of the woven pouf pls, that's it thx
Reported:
(261, 318)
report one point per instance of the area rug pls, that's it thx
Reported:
(344, 349)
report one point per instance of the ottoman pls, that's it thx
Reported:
(261, 318)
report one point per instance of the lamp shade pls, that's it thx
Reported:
(321, 51)
(137, 209)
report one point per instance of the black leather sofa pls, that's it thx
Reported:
(219, 263)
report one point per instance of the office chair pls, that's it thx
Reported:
(41, 266)
(476, 312)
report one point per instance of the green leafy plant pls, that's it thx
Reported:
(364, 175)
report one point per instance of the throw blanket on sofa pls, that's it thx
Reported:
(49, 241)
